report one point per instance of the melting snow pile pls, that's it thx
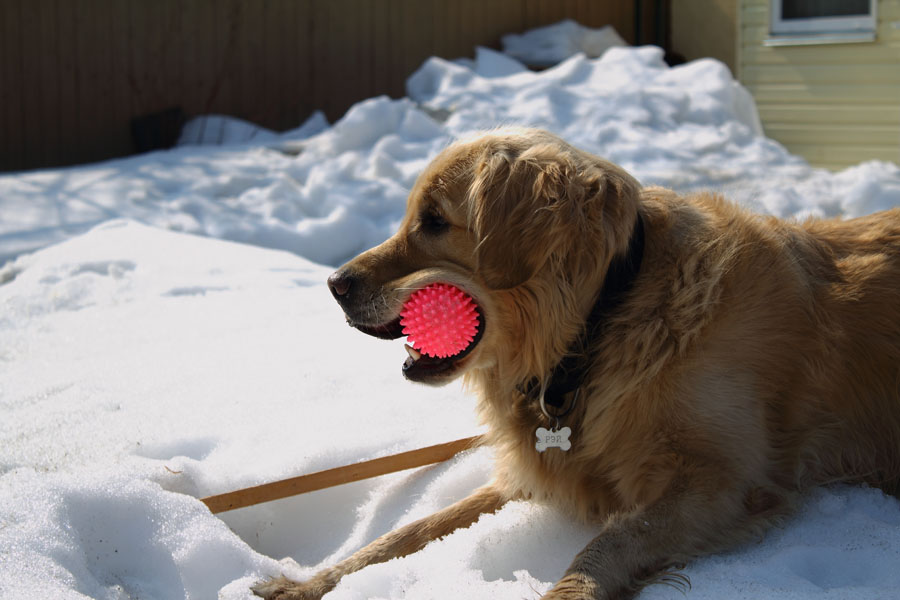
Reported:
(141, 368)
(687, 128)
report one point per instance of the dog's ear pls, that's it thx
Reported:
(529, 206)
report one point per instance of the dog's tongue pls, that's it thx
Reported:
(441, 321)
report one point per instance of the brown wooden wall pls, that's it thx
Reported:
(73, 73)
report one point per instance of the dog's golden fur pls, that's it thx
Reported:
(752, 358)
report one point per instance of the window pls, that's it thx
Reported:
(822, 21)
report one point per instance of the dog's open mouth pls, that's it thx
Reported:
(420, 367)
(387, 331)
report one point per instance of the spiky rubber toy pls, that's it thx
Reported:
(440, 319)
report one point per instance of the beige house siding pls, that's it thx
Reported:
(834, 104)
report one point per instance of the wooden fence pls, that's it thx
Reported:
(75, 73)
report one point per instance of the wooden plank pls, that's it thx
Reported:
(888, 10)
(188, 46)
(507, 17)
(222, 65)
(11, 100)
(751, 35)
(343, 54)
(277, 76)
(31, 90)
(844, 155)
(67, 77)
(754, 15)
(849, 54)
(596, 14)
(445, 27)
(338, 476)
(831, 114)
(150, 67)
(418, 21)
(395, 48)
(319, 60)
(283, 81)
(580, 12)
(500, 18)
(365, 35)
(200, 74)
(139, 21)
(646, 23)
(530, 14)
(85, 126)
(820, 74)
(332, 75)
(305, 54)
(792, 133)
(826, 94)
(49, 108)
(250, 60)
(170, 81)
(227, 54)
(551, 11)
(467, 37)
(618, 14)
(101, 130)
(380, 40)
(6, 97)
(119, 79)
(495, 24)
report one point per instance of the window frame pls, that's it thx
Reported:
(840, 24)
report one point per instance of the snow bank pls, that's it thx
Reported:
(687, 127)
(220, 130)
(550, 45)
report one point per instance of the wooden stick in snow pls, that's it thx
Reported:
(339, 475)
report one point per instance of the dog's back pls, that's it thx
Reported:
(813, 310)
(860, 304)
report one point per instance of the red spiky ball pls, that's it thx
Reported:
(441, 320)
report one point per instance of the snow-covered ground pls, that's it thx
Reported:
(142, 367)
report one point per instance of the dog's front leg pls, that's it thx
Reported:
(636, 548)
(400, 542)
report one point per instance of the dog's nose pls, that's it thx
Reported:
(340, 283)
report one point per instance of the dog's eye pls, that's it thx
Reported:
(433, 222)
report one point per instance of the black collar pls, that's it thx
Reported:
(569, 373)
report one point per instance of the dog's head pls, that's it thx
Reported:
(517, 219)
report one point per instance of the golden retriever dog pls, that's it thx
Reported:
(708, 364)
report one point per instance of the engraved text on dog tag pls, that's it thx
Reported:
(553, 438)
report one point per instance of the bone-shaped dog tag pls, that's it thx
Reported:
(553, 438)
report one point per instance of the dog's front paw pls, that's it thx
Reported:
(282, 588)
(575, 586)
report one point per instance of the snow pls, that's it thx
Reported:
(166, 334)
(221, 130)
(547, 46)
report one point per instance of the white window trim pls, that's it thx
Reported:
(821, 29)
